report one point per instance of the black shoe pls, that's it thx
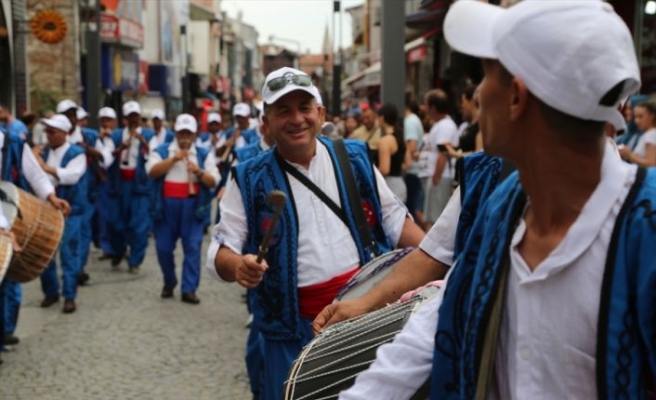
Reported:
(116, 260)
(48, 301)
(96, 243)
(190, 298)
(105, 256)
(133, 269)
(167, 292)
(69, 306)
(82, 278)
(9, 339)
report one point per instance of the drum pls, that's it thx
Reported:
(6, 252)
(38, 228)
(330, 363)
(373, 272)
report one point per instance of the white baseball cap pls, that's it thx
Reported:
(157, 113)
(569, 53)
(82, 113)
(65, 105)
(58, 121)
(186, 122)
(286, 80)
(214, 117)
(241, 110)
(107, 112)
(131, 107)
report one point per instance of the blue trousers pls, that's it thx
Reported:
(279, 355)
(101, 204)
(255, 345)
(128, 223)
(86, 234)
(70, 262)
(179, 222)
(12, 302)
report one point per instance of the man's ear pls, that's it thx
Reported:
(519, 95)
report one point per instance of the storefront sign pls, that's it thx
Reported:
(120, 69)
(121, 30)
(143, 77)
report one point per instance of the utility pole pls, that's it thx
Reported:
(393, 54)
(336, 108)
(93, 67)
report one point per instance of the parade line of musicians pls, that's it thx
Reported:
(540, 118)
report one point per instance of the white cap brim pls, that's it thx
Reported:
(291, 88)
(469, 28)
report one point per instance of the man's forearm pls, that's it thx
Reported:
(414, 270)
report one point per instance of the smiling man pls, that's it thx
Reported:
(316, 247)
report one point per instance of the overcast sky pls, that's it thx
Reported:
(301, 20)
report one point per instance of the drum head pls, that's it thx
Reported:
(373, 272)
(9, 210)
(6, 252)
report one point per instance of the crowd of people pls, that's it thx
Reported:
(548, 270)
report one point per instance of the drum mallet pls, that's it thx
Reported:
(277, 199)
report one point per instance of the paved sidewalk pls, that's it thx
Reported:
(125, 342)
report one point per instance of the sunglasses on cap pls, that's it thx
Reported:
(289, 79)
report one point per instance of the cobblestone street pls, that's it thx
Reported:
(125, 342)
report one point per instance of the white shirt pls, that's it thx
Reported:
(548, 333)
(158, 139)
(32, 171)
(178, 172)
(439, 242)
(646, 138)
(131, 154)
(73, 171)
(321, 232)
(442, 132)
(105, 146)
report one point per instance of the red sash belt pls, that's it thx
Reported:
(178, 190)
(312, 299)
(128, 174)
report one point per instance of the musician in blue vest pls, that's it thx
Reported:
(210, 138)
(184, 176)
(302, 271)
(11, 124)
(162, 134)
(553, 296)
(108, 122)
(98, 155)
(129, 190)
(20, 167)
(65, 165)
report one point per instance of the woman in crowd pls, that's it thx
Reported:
(391, 150)
(471, 140)
(644, 152)
(350, 125)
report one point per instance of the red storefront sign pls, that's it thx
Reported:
(417, 54)
(120, 30)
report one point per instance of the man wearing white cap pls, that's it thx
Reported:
(210, 138)
(108, 122)
(128, 189)
(554, 297)
(162, 134)
(301, 272)
(184, 176)
(98, 155)
(19, 166)
(65, 165)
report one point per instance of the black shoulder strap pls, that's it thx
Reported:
(314, 188)
(353, 194)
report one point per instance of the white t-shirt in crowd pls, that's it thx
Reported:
(443, 131)
(648, 137)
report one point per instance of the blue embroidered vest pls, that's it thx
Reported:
(250, 135)
(142, 184)
(626, 332)
(203, 198)
(12, 160)
(93, 173)
(75, 195)
(248, 152)
(256, 178)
